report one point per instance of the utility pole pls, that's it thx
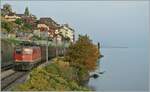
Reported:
(47, 47)
(64, 46)
(56, 47)
(56, 33)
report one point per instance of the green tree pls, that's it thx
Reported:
(7, 8)
(19, 21)
(26, 13)
(7, 26)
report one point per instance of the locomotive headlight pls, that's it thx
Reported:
(27, 51)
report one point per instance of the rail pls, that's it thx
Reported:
(6, 67)
(10, 79)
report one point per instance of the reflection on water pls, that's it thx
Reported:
(126, 69)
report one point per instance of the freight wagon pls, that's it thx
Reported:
(7, 49)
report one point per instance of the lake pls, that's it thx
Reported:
(126, 69)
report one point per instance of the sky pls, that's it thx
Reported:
(112, 23)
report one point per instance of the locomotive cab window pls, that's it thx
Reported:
(18, 50)
(27, 50)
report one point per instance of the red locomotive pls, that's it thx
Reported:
(26, 56)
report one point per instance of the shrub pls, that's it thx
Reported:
(51, 78)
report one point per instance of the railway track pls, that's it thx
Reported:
(10, 79)
(6, 67)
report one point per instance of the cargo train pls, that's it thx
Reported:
(27, 55)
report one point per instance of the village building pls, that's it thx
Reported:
(44, 27)
(67, 32)
(48, 27)
(37, 32)
(11, 17)
(57, 40)
(20, 15)
(30, 20)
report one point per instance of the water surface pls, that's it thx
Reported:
(126, 69)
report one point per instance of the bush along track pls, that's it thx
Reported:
(66, 73)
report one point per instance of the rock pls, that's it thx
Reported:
(94, 76)
(102, 72)
(101, 55)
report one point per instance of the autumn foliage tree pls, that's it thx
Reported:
(83, 54)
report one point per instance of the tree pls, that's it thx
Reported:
(28, 26)
(19, 21)
(83, 54)
(7, 26)
(26, 13)
(7, 8)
